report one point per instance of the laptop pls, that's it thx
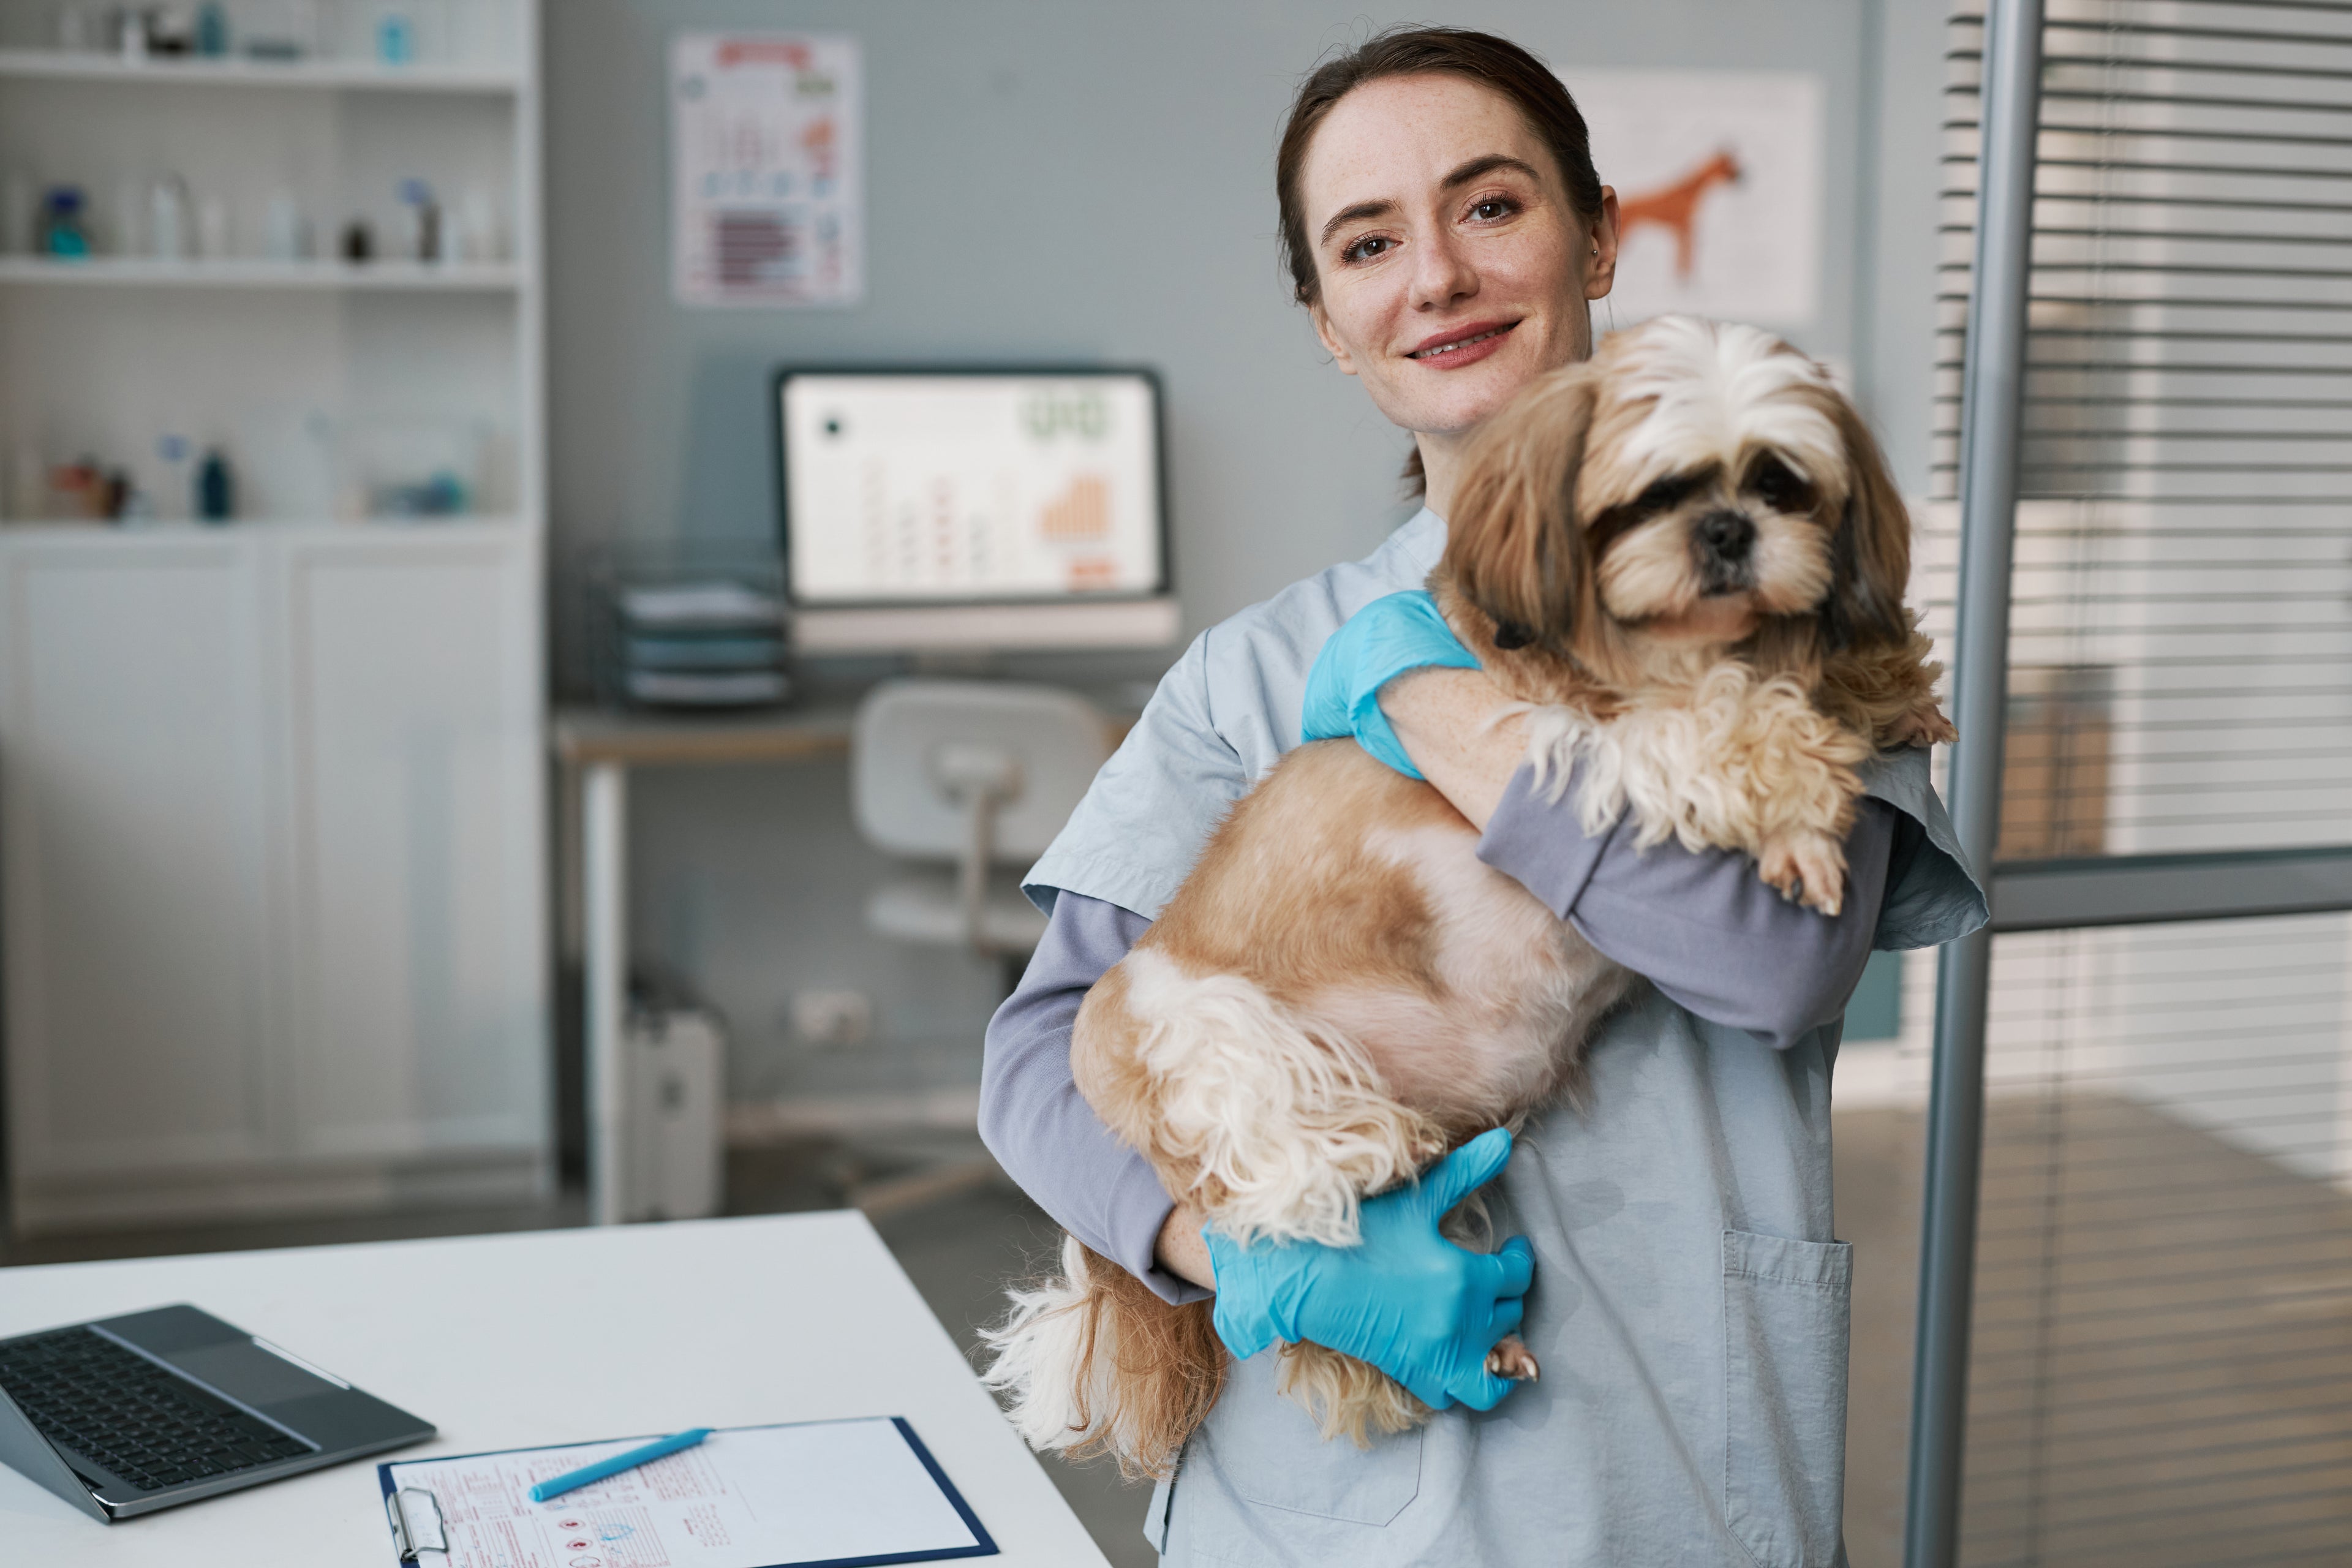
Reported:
(125, 1415)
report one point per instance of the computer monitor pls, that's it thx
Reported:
(997, 508)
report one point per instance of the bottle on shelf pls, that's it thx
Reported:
(175, 455)
(478, 217)
(168, 236)
(215, 488)
(286, 231)
(212, 34)
(424, 237)
(395, 37)
(65, 231)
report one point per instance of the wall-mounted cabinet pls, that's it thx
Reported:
(271, 818)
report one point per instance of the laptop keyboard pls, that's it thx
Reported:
(149, 1426)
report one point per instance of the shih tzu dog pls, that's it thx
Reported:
(1683, 562)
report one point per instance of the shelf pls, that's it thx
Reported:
(57, 65)
(139, 272)
(113, 535)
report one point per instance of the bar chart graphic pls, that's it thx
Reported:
(1082, 510)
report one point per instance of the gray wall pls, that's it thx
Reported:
(1052, 180)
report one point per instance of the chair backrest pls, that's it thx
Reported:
(919, 748)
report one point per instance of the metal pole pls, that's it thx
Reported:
(1992, 388)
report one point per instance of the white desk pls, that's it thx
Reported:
(555, 1336)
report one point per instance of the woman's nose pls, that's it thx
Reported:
(1443, 277)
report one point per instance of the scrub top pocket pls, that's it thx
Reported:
(1269, 1452)
(1787, 1309)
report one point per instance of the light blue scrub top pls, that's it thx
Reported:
(1690, 1301)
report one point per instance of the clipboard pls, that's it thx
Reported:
(816, 1494)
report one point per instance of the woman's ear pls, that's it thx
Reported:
(1331, 344)
(1870, 553)
(1600, 259)
(1513, 547)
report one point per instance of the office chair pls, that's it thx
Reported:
(971, 780)
(976, 777)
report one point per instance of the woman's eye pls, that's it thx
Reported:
(1493, 208)
(1369, 246)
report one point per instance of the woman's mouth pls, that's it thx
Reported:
(1463, 345)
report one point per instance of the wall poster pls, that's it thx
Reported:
(766, 144)
(1719, 179)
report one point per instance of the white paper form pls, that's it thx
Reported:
(833, 1492)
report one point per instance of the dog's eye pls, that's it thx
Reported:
(1778, 488)
(1662, 494)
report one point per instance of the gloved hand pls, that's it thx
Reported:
(1404, 1298)
(1379, 643)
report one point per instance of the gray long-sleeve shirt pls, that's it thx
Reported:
(1702, 926)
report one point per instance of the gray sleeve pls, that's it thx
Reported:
(1038, 1125)
(1702, 926)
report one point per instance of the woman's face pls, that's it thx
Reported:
(1452, 269)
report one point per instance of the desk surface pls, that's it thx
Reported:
(555, 1336)
(585, 735)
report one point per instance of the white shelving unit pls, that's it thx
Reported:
(271, 820)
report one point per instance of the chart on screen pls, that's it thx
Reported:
(966, 487)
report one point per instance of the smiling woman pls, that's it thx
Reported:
(1440, 212)
(1678, 1283)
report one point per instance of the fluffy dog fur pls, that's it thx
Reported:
(1685, 563)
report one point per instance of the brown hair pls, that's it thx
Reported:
(1491, 62)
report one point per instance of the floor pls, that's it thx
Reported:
(2163, 1365)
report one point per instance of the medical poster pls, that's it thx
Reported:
(1720, 180)
(768, 189)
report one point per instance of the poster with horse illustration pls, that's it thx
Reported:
(1718, 178)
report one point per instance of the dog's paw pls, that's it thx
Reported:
(1807, 866)
(1923, 726)
(1511, 1358)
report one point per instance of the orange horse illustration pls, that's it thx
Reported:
(1675, 207)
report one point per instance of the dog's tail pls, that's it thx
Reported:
(1094, 1364)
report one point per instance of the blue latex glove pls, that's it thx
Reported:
(1380, 642)
(1404, 1298)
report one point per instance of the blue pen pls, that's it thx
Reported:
(588, 1474)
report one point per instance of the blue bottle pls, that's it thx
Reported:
(64, 231)
(395, 39)
(216, 489)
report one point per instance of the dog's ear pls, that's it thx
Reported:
(1870, 551)
(1512, 546)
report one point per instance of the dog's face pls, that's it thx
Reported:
(1691, 485)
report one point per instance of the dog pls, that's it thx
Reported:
(1684, 561)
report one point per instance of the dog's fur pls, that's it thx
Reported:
(1685, 563)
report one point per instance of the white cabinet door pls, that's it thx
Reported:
(419, 1021)
(133, 832)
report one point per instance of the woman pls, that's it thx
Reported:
(1447, 231)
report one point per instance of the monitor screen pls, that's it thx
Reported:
(962, 488)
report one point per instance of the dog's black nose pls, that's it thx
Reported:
(1726, 535)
